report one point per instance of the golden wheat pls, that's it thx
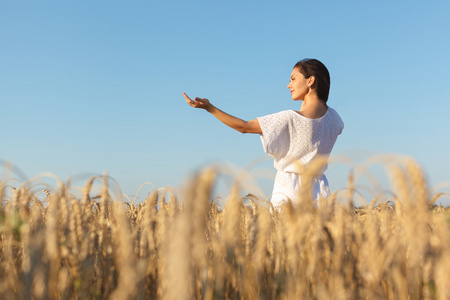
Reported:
(97, 247)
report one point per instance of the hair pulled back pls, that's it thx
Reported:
(312, 67)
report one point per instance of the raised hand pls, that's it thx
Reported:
(240, 125)
(197, 102)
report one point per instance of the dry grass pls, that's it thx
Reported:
(54, 245)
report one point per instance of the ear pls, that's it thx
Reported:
(311, 80)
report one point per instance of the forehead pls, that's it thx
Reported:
(296, 72)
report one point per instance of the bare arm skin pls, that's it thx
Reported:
(240, 125)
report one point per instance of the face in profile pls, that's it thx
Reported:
(298, 85)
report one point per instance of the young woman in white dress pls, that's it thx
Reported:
(291, 137)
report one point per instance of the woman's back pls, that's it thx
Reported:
(292, 138)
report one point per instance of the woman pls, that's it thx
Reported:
(293, 137)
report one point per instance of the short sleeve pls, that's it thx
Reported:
(275, 133)
(339, 124)
(341, 127)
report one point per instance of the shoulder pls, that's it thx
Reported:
(333, 113)
(275, 120)
(284, 114)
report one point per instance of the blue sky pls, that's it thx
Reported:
(94, 86)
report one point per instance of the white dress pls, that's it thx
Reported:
(291, 138)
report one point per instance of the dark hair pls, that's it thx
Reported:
(312, 67)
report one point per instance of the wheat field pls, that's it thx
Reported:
(54, 245)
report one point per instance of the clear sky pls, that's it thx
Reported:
(94, 86)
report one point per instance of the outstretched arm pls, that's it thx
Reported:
(240, 125)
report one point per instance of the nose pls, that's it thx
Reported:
(289, 85)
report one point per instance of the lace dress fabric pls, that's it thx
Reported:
(293, 141)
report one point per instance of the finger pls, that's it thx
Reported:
(192, 102)
(189, 101)
(186, 96)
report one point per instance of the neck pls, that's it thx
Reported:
(312, 107)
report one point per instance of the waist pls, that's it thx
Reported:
(315, 176)
(316, 166)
